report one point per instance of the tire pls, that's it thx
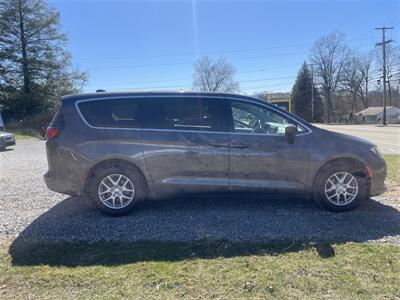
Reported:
(330, 194)
(134, 189)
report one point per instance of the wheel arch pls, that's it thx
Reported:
(111, 162)
(357, 163)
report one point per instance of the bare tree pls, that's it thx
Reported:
(329, 55)
(214, 75)
(366, 61)
(355, 78)
(393, 71)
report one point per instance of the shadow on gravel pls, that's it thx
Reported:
(73, 233)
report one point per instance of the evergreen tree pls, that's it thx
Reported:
(301, 96)
(34, 65)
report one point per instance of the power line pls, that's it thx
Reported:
(185, 86)
(212, 52)
(190, 78)
(191, 63)
(373, 77)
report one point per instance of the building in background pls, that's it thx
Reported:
(281, 100)
(374, 114)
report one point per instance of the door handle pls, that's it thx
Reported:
(239, 146)
(218, 145)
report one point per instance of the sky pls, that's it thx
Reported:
(138, 44)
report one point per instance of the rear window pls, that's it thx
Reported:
(118, 113)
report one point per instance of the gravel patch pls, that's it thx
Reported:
(31, 212)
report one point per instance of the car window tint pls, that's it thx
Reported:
(58, 119)
(252, 118)
(111, 113)
(185, 114)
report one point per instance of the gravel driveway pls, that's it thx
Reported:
(30, 211)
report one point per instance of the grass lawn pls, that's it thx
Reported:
(393, 168)
(24, 134)
(202, 269)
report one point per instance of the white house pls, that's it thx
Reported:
(374, 114)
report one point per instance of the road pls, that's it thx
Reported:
(387, 138)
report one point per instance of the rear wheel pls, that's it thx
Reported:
(117, 190)
(341, 187)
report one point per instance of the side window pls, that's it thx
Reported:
(185, 114)
(117, 113)
(252, 118)
(58, 119)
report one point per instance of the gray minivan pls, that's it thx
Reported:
(121, 148)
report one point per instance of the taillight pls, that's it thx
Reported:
(51, 133)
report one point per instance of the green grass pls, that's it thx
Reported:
(393, 168)
(24, 134)
(203, 269)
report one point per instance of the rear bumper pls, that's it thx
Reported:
(61, 186)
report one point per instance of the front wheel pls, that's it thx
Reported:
(341, 187)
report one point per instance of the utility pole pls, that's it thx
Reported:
(366, 89)
(390, 91)
(312, 93)
(383, 44)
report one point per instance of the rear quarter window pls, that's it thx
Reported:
(58, 119)
(114, 113)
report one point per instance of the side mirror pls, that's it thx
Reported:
(290, 132)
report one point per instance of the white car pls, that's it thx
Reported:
(6, 139)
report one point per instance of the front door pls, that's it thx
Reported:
(186, 143)
(260, 156)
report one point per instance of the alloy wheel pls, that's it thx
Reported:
(341, 188)
(116, 191)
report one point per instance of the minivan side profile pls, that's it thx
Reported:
(119, 149)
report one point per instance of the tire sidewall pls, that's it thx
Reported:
(322, 177)
(131, 173)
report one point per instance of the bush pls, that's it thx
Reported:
(35, 122)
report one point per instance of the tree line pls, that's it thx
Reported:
(350, 80)
(35, 68)
(341, 80)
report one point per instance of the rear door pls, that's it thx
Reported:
(261, 157)
(185, 142)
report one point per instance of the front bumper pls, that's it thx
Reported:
(378, 185)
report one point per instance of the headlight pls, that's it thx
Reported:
(376, 151)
